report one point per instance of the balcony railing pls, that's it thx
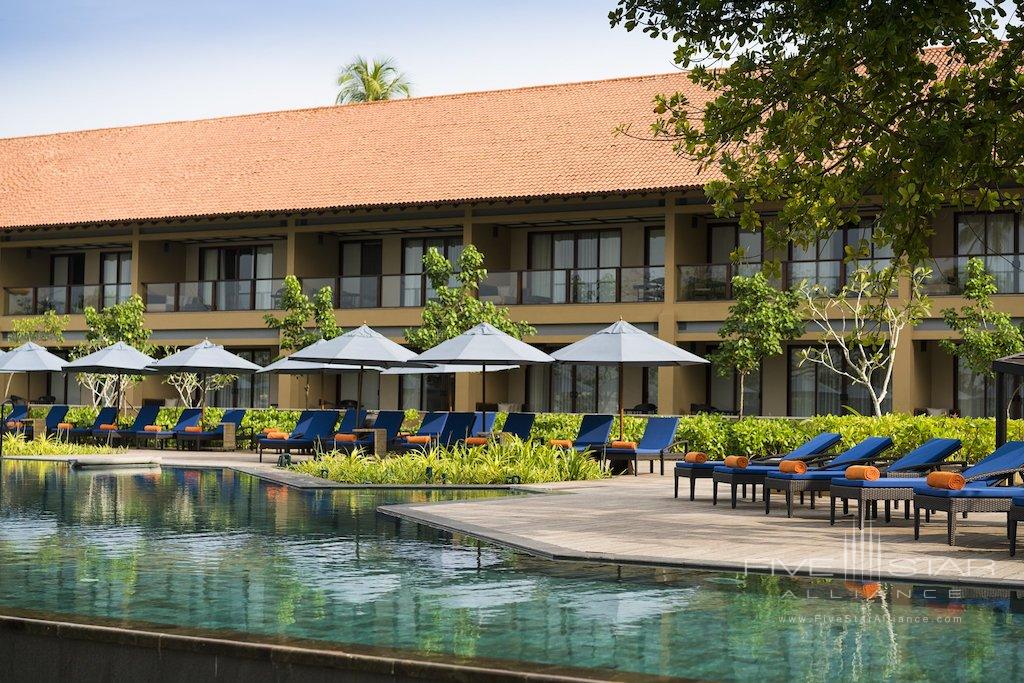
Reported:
(949, 274)
(374, 291)
(713, 281)
(575, 286)
(214, 295)
(64, 299)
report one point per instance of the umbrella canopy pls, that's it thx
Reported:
(117, 359)
(30, 357)
(484, 345)
(445, 369)
(362, 346)
(290, 366)
(205, 358)
(622, 344)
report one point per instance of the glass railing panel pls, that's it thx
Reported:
(642, 284)
(312, 285)
(826, 274)
(195, 296)
(160, 297)
(501, 288)
(545, 287)
(52, 299)
(83, 296)
(19, 301)
(594, 285)
(234, 295)
(360, 291)
(267, 295)
(704, 282)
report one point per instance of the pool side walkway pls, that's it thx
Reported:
(635, 520)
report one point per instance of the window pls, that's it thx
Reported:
(722, 391)
(361, 265)
(115, 277)
(243, 276)
(425, 392)
(415, 290)
(995, 238)
(649, 387)
(821, 262)
(67, 269)
(247, 391)
(974, 395)
(348, 389)
(573, 388)
(726, 238)
(654, 249)
(816, 390)
(573, 267)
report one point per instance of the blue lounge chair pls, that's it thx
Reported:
(820, 479)
(892, 485)
(457, 426)
(519, 425)
(593, 433)
(431, 425)
(198, 439)
(301, 427)
(146, 416)
(983, 492)
(480, 426)
(318, 431)
(351, 420)
(658, 438)
(54, 417)
(19, 413)
(754, 474)
(388, 420)
(106, 416)
(190, 417)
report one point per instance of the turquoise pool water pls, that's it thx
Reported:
(216, 550)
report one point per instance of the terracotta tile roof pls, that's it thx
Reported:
(528, 142)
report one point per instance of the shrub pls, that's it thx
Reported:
(15, 444)
(496, 463)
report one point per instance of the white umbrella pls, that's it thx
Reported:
(361, 347)
(117, 359)
(204, 359)
(28, 358)
(484, 345)
(622, 344)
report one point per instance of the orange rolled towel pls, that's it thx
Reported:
(267, 430)
(417, 439)
(627, 445)
(793, 466)
(345, 438)
(560, 443)
(108, 427)
(13, 424)
(152, 428)
(65, 425)
(476, 441)
(954, 481)
(863, 472)
(740, 461)
(193, 429)
(277, 435)
(695, 457)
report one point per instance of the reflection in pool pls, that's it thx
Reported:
(217, 550)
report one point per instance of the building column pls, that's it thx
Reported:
(904, 377)
(136, 278)
(467, 385)
(667, 323)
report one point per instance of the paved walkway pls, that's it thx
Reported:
(636, 520)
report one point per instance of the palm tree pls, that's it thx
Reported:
(369, 81)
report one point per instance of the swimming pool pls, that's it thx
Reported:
(216, 550)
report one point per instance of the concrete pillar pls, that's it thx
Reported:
(136, 278)
(667, 324)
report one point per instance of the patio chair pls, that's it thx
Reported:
(820, 479)
(15, 421)
(1015, 515)
(456, 428)
(105, 416)
(196, 440)
(430, 427)
(190, 417)
(754, 474)
(146, 416)
(658, 438)
(351, 420)
(481, 426)
(983, 491)
(519, 425)
(388, 420)
(54, 416)
(318, 430)
(892, 486)
(592, 435)
(301, 427)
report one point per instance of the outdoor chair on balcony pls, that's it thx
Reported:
(658, 439)
(982, 491)
(309, 435)
(592, 435)
(814, 481)
(196, 440)
(105, 416)
(893, 485)
(190, 417)
(754, 474)
(388, 420)
(146, 416)
(54, 417)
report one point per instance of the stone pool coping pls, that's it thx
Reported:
(39, 646)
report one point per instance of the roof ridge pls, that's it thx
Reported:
(327, 107)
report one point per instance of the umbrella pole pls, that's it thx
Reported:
(359, 391)
(119, 394)
(622, 409)
(483, 395)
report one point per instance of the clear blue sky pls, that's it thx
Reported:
(80, 64)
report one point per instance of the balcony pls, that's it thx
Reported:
(63, 299)
(214, 295)
(375, 291)
(575, 286)
(713, 281)
(949, 274)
